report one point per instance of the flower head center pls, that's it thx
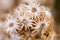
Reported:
(11, 25)
(25, 21)
(26, 3)
(34, 9)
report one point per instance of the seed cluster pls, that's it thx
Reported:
(28, 21)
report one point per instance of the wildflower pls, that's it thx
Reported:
(11, 25)
(33, 9)
(26, 22)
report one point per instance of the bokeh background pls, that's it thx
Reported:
(57, 17)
